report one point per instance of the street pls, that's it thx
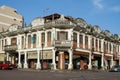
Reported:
(57, 75)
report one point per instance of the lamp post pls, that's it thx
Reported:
(42, 57)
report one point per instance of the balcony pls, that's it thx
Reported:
(10, 47)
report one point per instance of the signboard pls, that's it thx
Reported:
(63, 43)
(46, 54)
(32, 55)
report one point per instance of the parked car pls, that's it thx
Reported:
(6, 65)
(115, 68)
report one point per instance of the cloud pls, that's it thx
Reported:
(115, 8)
(98, 4)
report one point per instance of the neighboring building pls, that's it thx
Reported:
(59, 42)
(9, 16)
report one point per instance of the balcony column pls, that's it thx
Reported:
(78, 40)
(38, 66)
(98, 44)
(53, 60)
(83, 41)
(46, 39)
(25, 60)
(38, 39)
(95, 44)
(26, 41)
(0, 44)
(31, 40)
(70, 65)
(19, 39)
(19, 60)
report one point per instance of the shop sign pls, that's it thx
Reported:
(46, 54)
(32, 55)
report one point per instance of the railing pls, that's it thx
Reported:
(10, 47)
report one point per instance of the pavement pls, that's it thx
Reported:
(39, 70)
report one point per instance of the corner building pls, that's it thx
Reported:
(59, 42)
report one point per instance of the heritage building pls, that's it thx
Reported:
(60, 42)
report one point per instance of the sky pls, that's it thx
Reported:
(104, 13)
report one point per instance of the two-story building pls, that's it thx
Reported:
(59, 42)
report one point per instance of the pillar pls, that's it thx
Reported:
(19, 60)
(62, 60)
(102, 61)
(31, 41)
(112, 62)
(38, 65)
(90, 61)
(84, 41)
(53, 60)
(70, 65)
(78, 41)
(25, 60)
(7, 56)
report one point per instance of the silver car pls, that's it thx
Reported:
(115, 68)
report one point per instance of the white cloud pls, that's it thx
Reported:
(98, 4)
(115, 8)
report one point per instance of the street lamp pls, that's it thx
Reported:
(42, 56)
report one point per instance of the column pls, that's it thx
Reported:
(38, 39)
(31, 41)
(112, 62)
(45, 39)
(90, 61)
(98, 44)
(0, 44)
(70, 65)
(78, 44)
(19, 39)
(19, 60)
(94, 44)
(25, 60)
(84, 41)
(38, 65)
(102, 61)
(119, 58)
(7, 56)
(62, 60)
(89, 42)
(108, 47)
(53, 60)
(26, 40)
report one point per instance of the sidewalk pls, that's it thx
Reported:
(39, 70)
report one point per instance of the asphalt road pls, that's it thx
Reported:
(57, 75)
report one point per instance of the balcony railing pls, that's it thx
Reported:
(66, 43)
(10, 47)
